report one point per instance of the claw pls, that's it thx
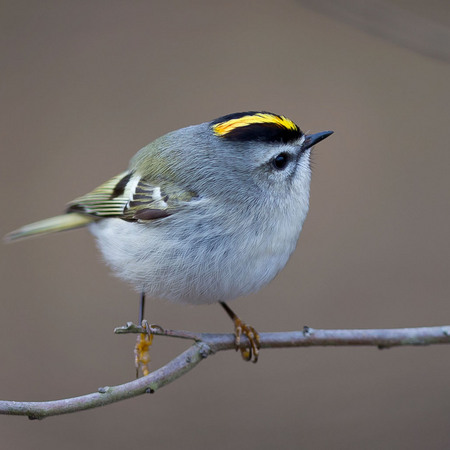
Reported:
(250, 352)
(142, 350)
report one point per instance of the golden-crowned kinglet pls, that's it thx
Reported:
(203, 214)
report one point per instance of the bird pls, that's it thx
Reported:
(204, 214)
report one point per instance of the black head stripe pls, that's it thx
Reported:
(256, 126)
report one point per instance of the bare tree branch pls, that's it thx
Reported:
(207, 344)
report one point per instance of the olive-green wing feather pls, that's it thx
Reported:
(108, 200)
(51, 225)
(130, 197)
(127, 196)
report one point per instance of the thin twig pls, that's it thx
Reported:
(309, 337)
(130, 327)
(111, 394)
(206, 344)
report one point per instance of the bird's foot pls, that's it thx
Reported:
(251, 351)
(142, 350)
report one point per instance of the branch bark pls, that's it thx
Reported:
(206, 344)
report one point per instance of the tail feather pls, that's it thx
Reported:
(51, 225)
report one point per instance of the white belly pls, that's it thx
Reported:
(186, 263)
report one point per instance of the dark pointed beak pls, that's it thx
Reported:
(313, 139)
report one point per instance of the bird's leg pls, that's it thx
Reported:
(143, 342)
(251, 352)
(141, 308)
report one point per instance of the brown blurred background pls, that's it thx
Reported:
(84, 85)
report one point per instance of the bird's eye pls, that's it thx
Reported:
(280, 161)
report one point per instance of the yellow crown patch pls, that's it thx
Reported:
(262, 118)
